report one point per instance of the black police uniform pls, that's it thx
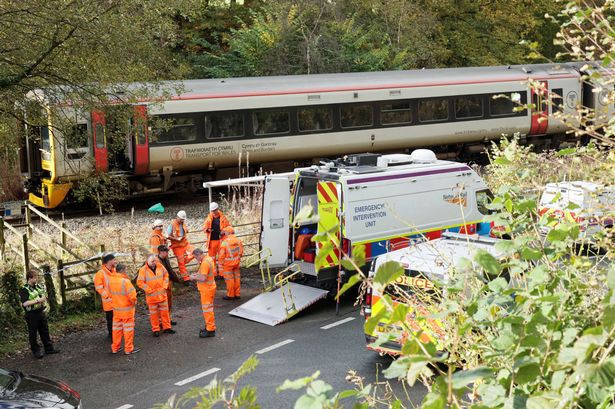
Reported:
(36, 319)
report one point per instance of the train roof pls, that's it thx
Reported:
(317, 83)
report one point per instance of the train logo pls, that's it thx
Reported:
(177, 154)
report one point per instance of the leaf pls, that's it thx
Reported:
(498, 285)
(388, 272)
(308, 402)
(434, 400)
(298, 383)
(610, 277)
(461, 379)
(352, 281)
(542, 402)
(566, 151)
(528, 373)
(528, 253)
(489, 263)
(502, 161)
(399, 313)
(493, 395)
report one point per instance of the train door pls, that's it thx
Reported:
(540, 109)
(140, 141)
(100, 142)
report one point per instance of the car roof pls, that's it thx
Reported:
(435, 257)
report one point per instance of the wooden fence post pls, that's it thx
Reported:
(2, 241)
(63, 238)
(29, 221)
(51, 290)
(60, 270)
(24, 248)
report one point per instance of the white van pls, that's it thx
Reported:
(587, 203)
(379, 202)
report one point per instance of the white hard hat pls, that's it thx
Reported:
(181, 214)
(158, 223)
(213, 206)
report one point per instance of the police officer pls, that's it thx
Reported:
(34, 302)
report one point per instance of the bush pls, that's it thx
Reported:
(10, 305)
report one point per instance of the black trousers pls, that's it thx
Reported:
(109, 317)
(37, 323)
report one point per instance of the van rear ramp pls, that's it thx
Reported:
(277, 306)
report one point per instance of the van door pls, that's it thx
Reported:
(275, 220)
(329, 220)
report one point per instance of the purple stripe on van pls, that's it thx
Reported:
(408, 175)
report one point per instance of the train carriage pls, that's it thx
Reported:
(176, 142)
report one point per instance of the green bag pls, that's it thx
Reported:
(157, 208)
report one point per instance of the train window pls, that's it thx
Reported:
(223, 125)
(174, 129)
(100, 136)
(314, 119)
(395, 113)
(504, 104)
(45, 139)
(356, 115)
(431, 110)
(77, 136)
(270, 122)
(470, 106)
(557, 100)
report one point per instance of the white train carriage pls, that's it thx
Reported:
(294, 119)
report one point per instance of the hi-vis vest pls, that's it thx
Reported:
(177, 232)
(154, 283)
(230, 252)
(35, 292)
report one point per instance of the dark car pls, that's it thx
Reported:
(20, 391)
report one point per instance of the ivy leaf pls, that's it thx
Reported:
(388, 272)
(462, 379)
(352, 281)
(528, 253)
(489, 263)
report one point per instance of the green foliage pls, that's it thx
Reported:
(101, 189)
(10, 304)
(219, 393)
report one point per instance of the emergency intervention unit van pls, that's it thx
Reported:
(426, 266)
(379, 202)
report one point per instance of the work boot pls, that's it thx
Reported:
(38, 354)
(237, 297)
(173, 322)
(156, 334)
(134, 351)
(120, 349)
(52, 351)
(169, 331)
(207, 334)
(226, 297)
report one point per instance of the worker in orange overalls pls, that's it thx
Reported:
(156, 237)
(206, 284)
(177, 233)
(154, 280)
(101, 284)
(229, 258)
(214, 224)
(124, 299)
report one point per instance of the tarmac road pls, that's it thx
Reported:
(173, 364)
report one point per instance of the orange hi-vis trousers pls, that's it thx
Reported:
(213, 246)
(123, 327)
(232, 281)
(183, 259)
(159, 312)
(208, 294)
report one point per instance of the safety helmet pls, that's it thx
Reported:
(213, 206)
(181, 215)
(157, 223)
(228, 230)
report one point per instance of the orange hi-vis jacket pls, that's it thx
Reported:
(209, 220)
(207, 270)
(231, 250)
(177, 232)
(124, 297)
(156, 239)
(154, 283)
(101, 284)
